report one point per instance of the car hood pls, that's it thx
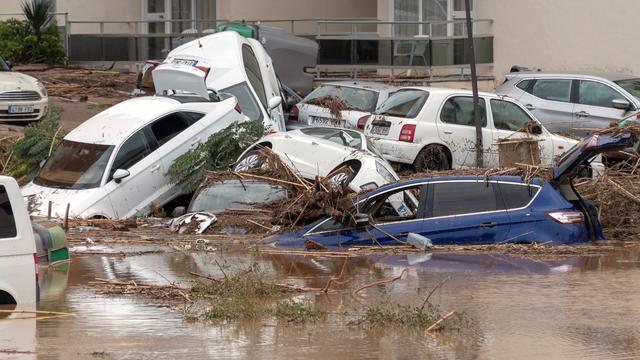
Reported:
(587, 149)
(80, 200)
(167, 77)
(14, 81)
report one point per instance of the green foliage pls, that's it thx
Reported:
(39, 140)
(218, 153)
(403, 315)
(38, 14)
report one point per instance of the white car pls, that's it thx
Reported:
(22, 98)
(361, 98)
(115, 164)
(434, 129)
(345, 156)
(238, 66)
(18, 258)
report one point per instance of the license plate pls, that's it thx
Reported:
(20, 109)
(380, 130)
(184, 62)
(317, 120)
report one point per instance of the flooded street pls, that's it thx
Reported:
(575, 307)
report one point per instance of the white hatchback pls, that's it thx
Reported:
(22, 98)
(433, 128)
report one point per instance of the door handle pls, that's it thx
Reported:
(155, 168)
(530, 107)
(448, 132)
(488, 224)
(582, 114)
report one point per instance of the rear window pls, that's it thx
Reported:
(355, 98)
(459, 198)
(346, 138)
(7, 221)
(404, 103)
(170, 126)
(517, 196)
(236, 194)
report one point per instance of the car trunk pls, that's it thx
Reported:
(181, 77)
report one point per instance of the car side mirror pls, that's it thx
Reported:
(9, 64)
(535, 128)
(362, 219)
(621, 104)
(179, 211)
(274, 102)
(120, 174)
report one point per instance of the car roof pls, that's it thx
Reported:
(448, 91)
(576, 74)
(369, 85)
(116, 123)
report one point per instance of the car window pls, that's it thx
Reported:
(236, 194)
(459, 110)
(356, 98)
(517, 195)
(397, 206)
(632, 86)
(7, 221)
(524, 84)
(341, 137)
(459, 198)
(404, 103)
(553, 89)
(508, 116)
(247, 102)
(254, 74)
(597, 94)
(132, 151)
(167, 127)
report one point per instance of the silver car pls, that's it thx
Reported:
(573, 103)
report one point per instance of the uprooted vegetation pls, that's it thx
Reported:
(335, 105)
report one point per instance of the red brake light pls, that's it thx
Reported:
(407, 133)
(205, 69)
(363, 121)
(35, 261)
(293, 113)
(238, 108)
(567, 217)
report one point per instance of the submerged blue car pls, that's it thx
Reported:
(466, 210)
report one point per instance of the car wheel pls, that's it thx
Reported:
(341, 176)
(431, 158)
(253, 160)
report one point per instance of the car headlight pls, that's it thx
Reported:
(43, 90)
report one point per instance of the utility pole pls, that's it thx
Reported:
(474, 86)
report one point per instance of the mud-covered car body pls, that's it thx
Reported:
(472, 209)
(319, 152)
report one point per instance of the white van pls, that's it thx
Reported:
(18, 258)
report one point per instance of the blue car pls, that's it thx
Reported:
(472, 210)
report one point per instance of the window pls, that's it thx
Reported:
(236, 194)
(7, 221)
(524, 84)
(166, 128)
(406, 10)
(632, 86)
(339, 136)
(459, 110)
(508, 116)
(554, 90)
(404, 103)
(398, 206)
(356, 98)
(133, 150)
(597, 94)
(252, 67)
(459, 198)
(247, 102)
(517, 195)
(435, 11)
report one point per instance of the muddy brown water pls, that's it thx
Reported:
(570, 308)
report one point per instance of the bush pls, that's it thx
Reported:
(19, 43)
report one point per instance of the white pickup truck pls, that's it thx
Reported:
(18, 257)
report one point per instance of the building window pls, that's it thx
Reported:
(437, 12)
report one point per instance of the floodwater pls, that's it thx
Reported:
(570, 308)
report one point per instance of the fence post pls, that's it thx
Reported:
(67, 35)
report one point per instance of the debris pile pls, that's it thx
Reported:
(334, 104)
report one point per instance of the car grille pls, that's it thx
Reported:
(19, 96)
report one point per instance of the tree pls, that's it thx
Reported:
(39, 15)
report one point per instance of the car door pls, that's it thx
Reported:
(516, 198)
(464, 212)
(550, 101)
(456, 128)
(594, 106)
(135, 192)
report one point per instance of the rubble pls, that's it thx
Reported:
(334, 104)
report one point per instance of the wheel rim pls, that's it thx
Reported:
(248, 163)
(339, 179)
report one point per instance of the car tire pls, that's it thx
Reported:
(431, 158)
(341, 176)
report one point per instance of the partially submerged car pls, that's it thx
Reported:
(22, 98)
(341, 104)
(471, 209)
(344, 156)
(232, 194)
(115, 164)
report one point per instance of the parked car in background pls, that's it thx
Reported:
(434, 129)
(18, 258)
(471, 209)
(360, 99)
(115, 164)
(572, 103)
(344, 156)
(23, 98)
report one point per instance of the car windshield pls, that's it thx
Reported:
(404, 103)
(247, 102)
(75, 165)
(236, 194)
(355, 98)
(342, 137)
(3, 65)
(632, 86)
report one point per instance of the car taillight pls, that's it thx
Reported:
(363, 121)
(293, 113)
(238, 108)
(407, 133)
(567, 217)
(35, 261)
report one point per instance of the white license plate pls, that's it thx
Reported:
(20, 109)
(184, 62)
(317, 120)
(380, 130)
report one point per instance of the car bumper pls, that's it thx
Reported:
(397, 151)
(40, 108)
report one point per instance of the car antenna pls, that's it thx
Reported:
(199, 43)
